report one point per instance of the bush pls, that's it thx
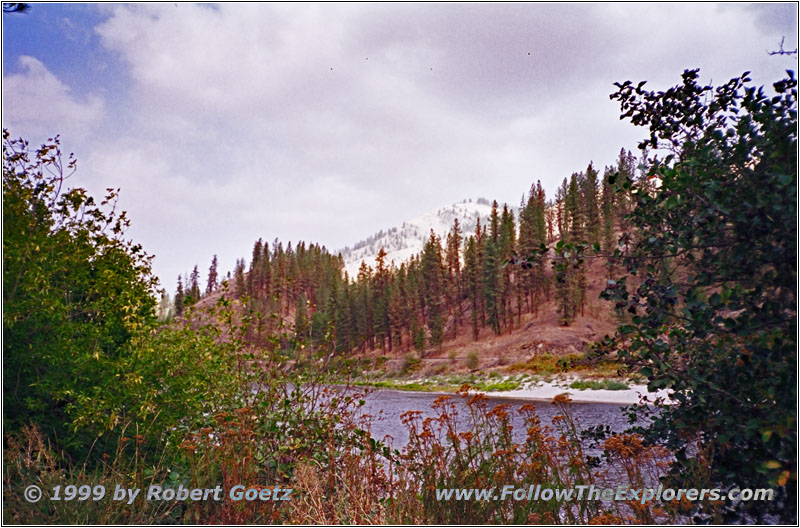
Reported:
(714, 316)
(75, 294)
(410, 363)
(473, 361)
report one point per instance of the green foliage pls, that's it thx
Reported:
(714, 307)
(411, 362)
(570, 279)
(598, 385)
(418, 336)
(503, 385)
(547, 363)
(74, 294)
(473, 361)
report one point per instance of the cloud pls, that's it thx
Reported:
(36, 103)
(328, 122)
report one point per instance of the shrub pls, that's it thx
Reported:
(714, 316)
(75, 294)
(410, 363)
(472, 360)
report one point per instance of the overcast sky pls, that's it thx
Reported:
(225, 123)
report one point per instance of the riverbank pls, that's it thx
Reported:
(548, 390)
(579, 389)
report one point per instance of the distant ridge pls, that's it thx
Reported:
(400, 243)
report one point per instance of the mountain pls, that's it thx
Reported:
(400, 243)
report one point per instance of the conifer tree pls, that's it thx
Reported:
(590, 205)
(238, 278)
(527, 244)
(211, 285)
(381, 301)
(491, 272)
(433, 276)
(609, 218)
(301, 319)
(194, 287)
(454, 240)
(472, 274)
(507, 247)
(363, 307)
(179, 296)
(398, 303)
(561, 214)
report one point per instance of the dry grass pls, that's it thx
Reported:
(347, 478)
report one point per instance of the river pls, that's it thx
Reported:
(386, 407)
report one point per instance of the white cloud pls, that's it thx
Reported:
(327, 122)
(36, 103)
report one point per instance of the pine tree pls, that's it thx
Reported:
(590, 205)
(472, 275)
(564, 298)
(238, 279)
(454, 285)
(539, 283)
(609, 218)
(363, 308)
(398, 303)
(179, 296)
(211, 285)
(491, 272)
(574, 211)
(381, 301)
(561, 203)
(527, 244)
(507, 247)
(194, 287)
(433, 276)
(301, 320)
(626, 168)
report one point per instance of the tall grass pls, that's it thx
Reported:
(340, 475)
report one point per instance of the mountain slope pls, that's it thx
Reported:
(400, 243)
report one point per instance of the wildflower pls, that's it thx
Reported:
(441, 401)
(499, 411)
(476, 399)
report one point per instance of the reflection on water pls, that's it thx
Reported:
(386, 406)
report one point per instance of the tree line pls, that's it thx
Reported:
(461, 280)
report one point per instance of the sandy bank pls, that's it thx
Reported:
(545, 390)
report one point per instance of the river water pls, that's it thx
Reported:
(386, 406)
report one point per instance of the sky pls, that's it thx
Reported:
(223, 123)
